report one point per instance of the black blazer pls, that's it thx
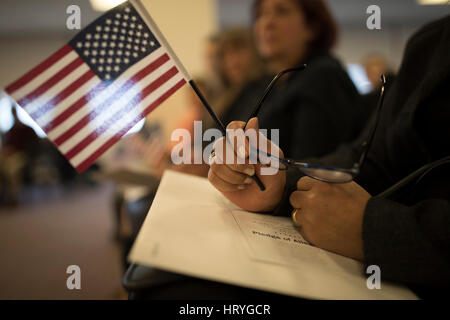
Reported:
(314, 109)
(408, 234)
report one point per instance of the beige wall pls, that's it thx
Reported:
(354, 44)
(186, 25)
(19, 54)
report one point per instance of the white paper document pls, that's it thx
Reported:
(193, 230)
(275, 240)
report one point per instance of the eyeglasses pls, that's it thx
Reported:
(317, 171)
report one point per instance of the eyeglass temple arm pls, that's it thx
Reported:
(269, 88)
(368, 141)
(419, 174)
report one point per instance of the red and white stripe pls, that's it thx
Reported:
(81, 115)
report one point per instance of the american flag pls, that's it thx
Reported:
(93, 90)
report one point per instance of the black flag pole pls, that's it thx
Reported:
(154, 27)
(220, 124)
(208, 107)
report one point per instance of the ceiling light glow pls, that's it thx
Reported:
(433, 2)
(105, 5)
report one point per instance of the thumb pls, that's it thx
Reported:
(244, 150)
(252, 148)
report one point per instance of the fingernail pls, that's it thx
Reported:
(241, 152)
(249, 171)
(241, 187)
(248, 180)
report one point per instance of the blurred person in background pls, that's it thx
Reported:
(314, 109)
(375, 64)
(20, 146)
(240, 68)
(211, 75)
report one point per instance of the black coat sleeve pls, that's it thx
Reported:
(410, 239)
(410, 244)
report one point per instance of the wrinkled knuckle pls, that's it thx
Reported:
(238, 167)
(303, 180)
(243, 179)
(294, 199)
(300, 181)
(311, 196)
(230, 178)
